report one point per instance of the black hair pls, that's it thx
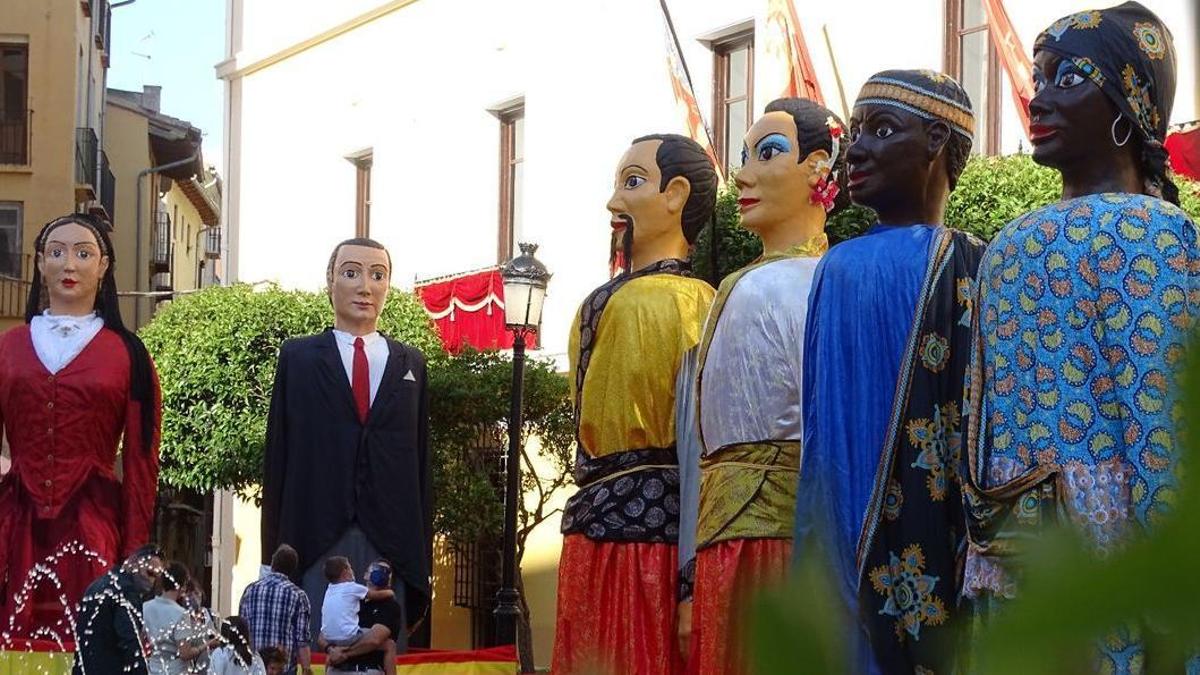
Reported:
(141, 369)
(958, 151)
(1157, 181)
(356, 241)
(813, 133)
(235, 632)
(144, 552)
(177, 577)
(285, 560)
(271, 655)
(681, 156)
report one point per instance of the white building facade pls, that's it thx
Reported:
(474, 123)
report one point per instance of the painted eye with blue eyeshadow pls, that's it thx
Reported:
(745, 155)
(772, 145)
(633, 182)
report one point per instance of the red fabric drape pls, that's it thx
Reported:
(728, 574)
(802, 76)
(468, 309)
(1013, 57)
(1184, 148)
(617, 609)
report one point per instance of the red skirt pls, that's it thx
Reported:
(728, 575)
(76, 547)
(617, 608)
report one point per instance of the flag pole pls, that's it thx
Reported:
(837, 76)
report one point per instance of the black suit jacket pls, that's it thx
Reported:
(324, 470)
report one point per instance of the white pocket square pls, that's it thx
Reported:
(410, 377)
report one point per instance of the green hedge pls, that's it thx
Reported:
(991, 192)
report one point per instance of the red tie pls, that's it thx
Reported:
(360, 381)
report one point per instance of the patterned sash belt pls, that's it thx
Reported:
(748, 491)
(1003, 521)
(630, 496)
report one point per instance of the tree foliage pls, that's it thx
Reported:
(991, 192)
(470, 397)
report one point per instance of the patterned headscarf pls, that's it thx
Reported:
(1127, 52)
(924, 93)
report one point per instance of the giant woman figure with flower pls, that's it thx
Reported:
(748, 388)
(1084, 307)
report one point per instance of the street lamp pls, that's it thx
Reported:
(525, 280)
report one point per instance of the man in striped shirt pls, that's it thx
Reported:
(278, 611)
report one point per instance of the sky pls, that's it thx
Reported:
(175, 44)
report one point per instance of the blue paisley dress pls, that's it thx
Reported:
(1084, 310)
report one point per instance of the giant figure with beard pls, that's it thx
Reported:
(633, 348)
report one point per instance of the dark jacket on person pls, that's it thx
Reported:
(325, 471)
(108, 626)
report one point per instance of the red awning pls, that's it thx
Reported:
(1184, 148)
(468, 309)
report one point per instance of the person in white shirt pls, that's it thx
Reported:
(340, 611)
(174, 646)
(235, 656)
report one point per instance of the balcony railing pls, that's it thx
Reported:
(14, 290)
(86, 150)
(212, 244)
(162, 248)
(108, 188)
(14, 136)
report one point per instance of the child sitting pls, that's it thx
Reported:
(339, 611)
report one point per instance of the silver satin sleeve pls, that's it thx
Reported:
(687, 445)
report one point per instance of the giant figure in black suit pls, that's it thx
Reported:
(347, 458)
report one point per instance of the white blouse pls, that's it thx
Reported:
(58, 338)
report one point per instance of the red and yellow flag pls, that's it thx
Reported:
(1013, 57)
(685, 99)
(785, 46)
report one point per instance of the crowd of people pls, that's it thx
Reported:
(148, 616)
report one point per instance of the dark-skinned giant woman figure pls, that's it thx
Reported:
(1084, 307)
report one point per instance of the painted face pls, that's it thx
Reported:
(1070, 117)
(71, 264)
(888, 160)
(359, 289)
(637, 203)
(775, 183)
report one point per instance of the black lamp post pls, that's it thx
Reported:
(525, 280)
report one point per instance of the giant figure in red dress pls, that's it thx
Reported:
(76, 386)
